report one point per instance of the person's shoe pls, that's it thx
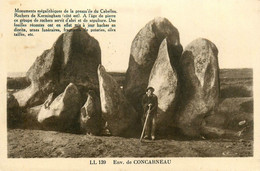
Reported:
(153, 137)
(202, 137)
(146, 137)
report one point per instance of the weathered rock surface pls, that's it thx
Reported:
(117, 112)
(13, 111)
(199, 83)
(34, 111)
(144, 51)
(30, 118)
(74, 57)
(63, 112)
(164, 80)
(11, 102)
(90, 115)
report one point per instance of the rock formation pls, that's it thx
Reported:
(144, 51)
(199, 85)
(117, 112)
(62, 112)
(70, 74)
(13, 111)
(74, 57)
(90, 115)
(164, 80)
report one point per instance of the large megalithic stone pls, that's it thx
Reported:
(164, 80)
(117, 112)
(144, 51)
(61, 113)
(199, 85)
(90, 115)
(13, 111)
(74, 57)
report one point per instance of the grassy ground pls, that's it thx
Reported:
(37, 143)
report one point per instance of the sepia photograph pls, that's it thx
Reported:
(132, 83)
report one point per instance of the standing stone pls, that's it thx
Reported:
(63, 112)
(199, 83)
(74, 57)
(117, 112)
(90, 115)
(163, 79)
(144, 51)
(13, 111)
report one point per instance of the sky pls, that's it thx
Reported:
(233, 25)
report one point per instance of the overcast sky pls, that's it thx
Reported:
(232, 25)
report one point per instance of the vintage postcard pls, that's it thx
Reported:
(129, 85)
